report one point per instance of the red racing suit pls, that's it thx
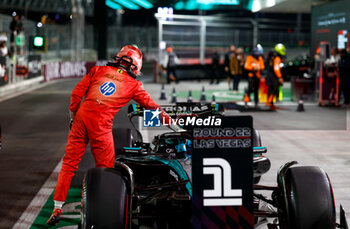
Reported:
(106, 90)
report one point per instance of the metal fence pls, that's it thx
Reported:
(145, 37)
(219, 34)
(202, 33)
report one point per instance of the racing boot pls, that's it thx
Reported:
(269, 101)
(172, 78)
(55, 217)
(273, 107)
(270, 104)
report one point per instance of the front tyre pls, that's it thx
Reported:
(310, 199)
(105, 200)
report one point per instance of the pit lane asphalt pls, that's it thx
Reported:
(34, 135)
(35, 130)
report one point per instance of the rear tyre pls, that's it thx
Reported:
(105, 199)
(310, 198)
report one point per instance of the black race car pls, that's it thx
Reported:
(151, 187)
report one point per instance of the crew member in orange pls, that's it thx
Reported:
(254, 65)
(274, 74)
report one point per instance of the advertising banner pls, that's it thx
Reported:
(222, 169)
(69, 69)
(330, 23)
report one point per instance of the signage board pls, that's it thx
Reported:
(222, 174)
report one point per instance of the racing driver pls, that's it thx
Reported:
(106, 90)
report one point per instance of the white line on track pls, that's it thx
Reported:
(29, 215)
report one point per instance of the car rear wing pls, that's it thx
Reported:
(180, 109)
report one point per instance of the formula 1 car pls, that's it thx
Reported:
(151, 187)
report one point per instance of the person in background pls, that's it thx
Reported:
(3, 54)
(16, 26)
(344, 76)
(254, 64)
(228, 71)
(3, 49)
(215, 66)
(270, 55)
(236, 67)
(348, 49)
(171, 61)
(334, 58)
(3, 37)
(274, 75)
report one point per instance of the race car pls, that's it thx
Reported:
(150, 185)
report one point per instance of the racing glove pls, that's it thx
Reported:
(71, 115)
